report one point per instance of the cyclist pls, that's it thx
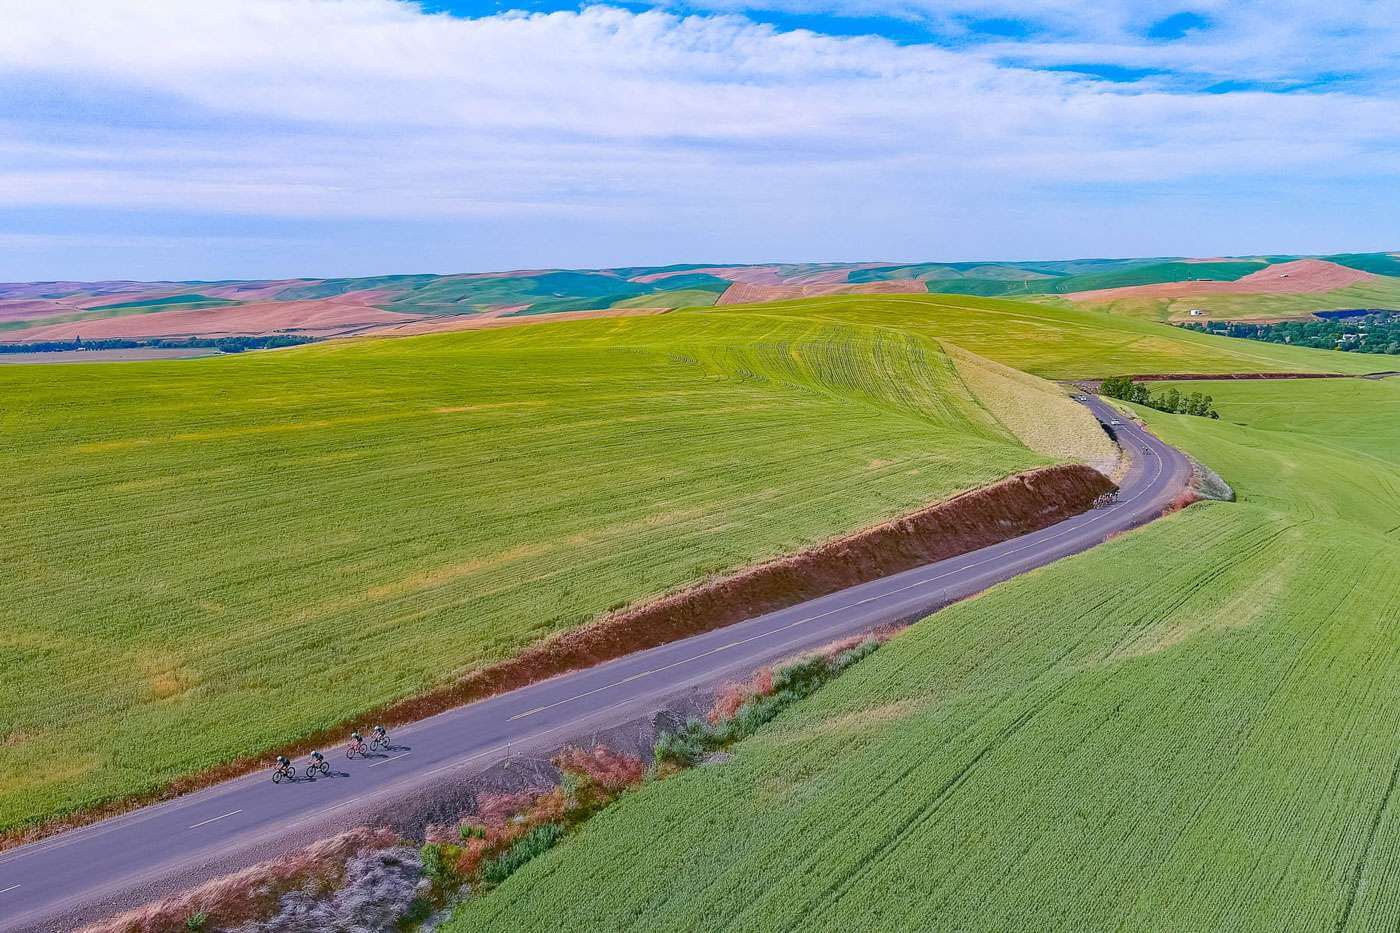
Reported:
(381, 738)
(356, 747)
(284, 770)
(318, 763)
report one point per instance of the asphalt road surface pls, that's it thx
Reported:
(93, 871)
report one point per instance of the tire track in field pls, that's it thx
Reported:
(910, 825)
(1359, 871)
(1363, 861)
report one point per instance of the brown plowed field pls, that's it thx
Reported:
(1300, 277)
(745, 293)
(319, 317)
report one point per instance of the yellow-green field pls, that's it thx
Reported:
(1193, 727)
(207, 558)
(1068, 343)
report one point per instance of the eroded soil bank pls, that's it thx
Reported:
(976, 519)
(1015, 506)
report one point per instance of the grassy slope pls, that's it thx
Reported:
(207, 558)
(193, 543)
(1037, 412)
(1063, 343)
(1192, 727)
(680, 298)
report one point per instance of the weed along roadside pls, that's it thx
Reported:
(418, 886)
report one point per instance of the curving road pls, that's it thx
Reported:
(87, 873)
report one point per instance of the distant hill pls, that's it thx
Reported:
(1162, 288)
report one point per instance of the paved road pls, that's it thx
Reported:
(82, 874)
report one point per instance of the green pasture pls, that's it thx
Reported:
(1193, 727)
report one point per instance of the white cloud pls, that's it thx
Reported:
(327, 108)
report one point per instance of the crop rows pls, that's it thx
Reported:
(1192, 727)
(245, 550)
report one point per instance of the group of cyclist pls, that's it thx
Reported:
(358, 748)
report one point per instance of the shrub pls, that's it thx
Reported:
(197, 921)
(440, 864)
(534, 843)
(741, 709)
(732, 696)
(610, 770)
(684, 747)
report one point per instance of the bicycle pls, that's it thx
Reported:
(285, 771)
(356, 748)
(380, 742)
(318, 766)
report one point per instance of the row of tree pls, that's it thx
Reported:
(1170, 400)
(1376, 332)
(224, 344)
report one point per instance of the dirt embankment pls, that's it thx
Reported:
(964, 523)
(1015, 506)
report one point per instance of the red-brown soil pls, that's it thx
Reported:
(29, 309)
(742, 293)
(1015, 506)
(1301, 277)
(315, 317)
(832, 276)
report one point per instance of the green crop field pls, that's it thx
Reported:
(207, 558)
(251, 548)
(1066, 343)
(1193, 727)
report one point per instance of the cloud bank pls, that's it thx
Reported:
(688, 124)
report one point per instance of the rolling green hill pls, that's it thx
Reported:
(35, 311)
(1192, 727)
(248, 549)
(1068, 342)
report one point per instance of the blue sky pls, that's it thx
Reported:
(275, 138)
